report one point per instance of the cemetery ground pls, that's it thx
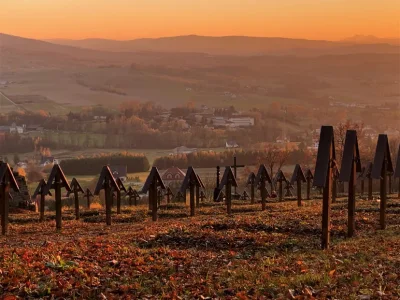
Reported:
(248, 255)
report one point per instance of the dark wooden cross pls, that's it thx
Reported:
(382, 166)
(180, 196)
(361, 177)
(298, 178)
(160, 196)
(235, 166)
(368, 174)
(40, 191)
(7, 182)
(107, 183)
(397, 172)
(228, 180)
(88, 195)
(221, 197)
(280, 178)
(351, 164)
(57, 181)
(309, 176)
(132, 194)
(191, 181)
(121, 188)
(325, 165)
(252, 182)
(153, 182)
(217, 191)
(198, 187)
(202, 196)
(170, 195)
(288, 189)
(335, 178)
(261, 180)
(76, 189)
(390, 175)
(245, 196)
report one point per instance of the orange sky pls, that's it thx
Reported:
(129, 19)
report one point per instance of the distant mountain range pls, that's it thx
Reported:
(370, 39)
(239, 45)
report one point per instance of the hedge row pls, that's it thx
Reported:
(92, 165)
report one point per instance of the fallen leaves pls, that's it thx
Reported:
(250, 255)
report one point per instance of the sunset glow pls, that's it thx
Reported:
(130, 19)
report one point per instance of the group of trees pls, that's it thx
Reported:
(273, 156)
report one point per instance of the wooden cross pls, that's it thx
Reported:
(309, 176)
(368, 174)
(336, 175)
(361, 176)
(132, 194)
(228, 180)
(121, 188)
(180, 196)
(40, 191)
(160, 196)
(382, 165)
(350, 165)
(169, 195)
(217, 191)
(235, 166)
(153, 182)
(323, 178)
(390, 175)
(57, 181)
(280, 178)
(261, 180)
(288, 189)
(7, 182)
(252, 181)
(88, 194)
(198, 187)
(107, 183)
(75, 189)
(299, 178)
(191, 181)
(202, 196)
(245, 196)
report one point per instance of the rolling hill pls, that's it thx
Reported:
(233, 45)
(177, 70)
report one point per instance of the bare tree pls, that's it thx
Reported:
(340, 136)
(275, 157)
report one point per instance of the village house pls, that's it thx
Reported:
(173, 175)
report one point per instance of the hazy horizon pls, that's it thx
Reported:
(122, 20)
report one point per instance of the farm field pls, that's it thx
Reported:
(248, 255)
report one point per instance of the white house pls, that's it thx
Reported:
(231, 144)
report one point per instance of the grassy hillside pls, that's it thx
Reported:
(249, 255)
